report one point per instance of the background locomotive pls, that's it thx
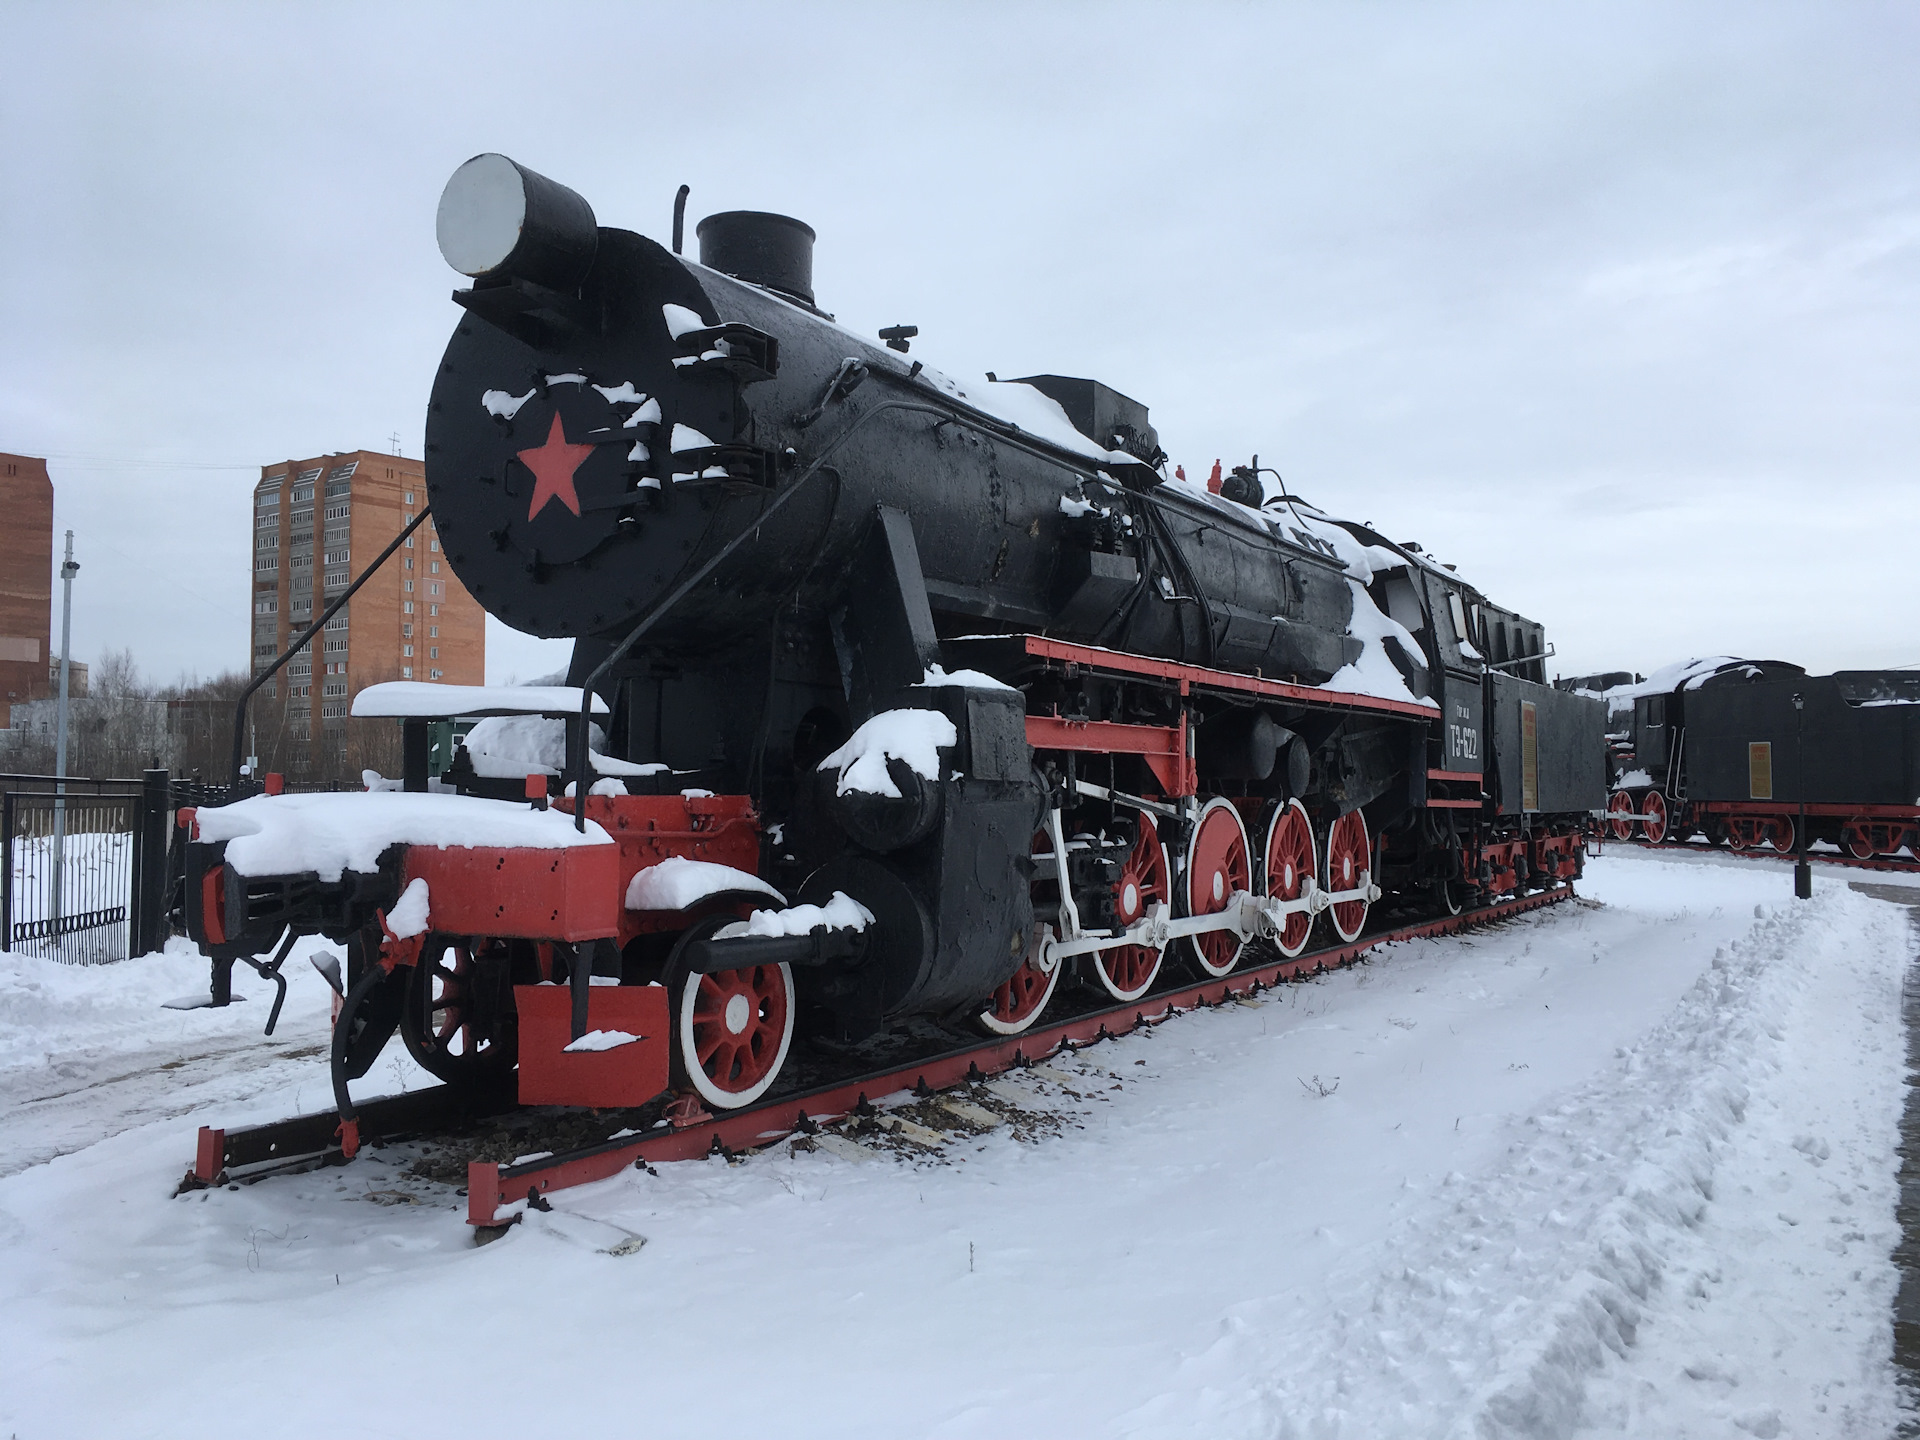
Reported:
(957, 668)
(1736, 751)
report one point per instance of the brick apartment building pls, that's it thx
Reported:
(317, 523)
(26, 581)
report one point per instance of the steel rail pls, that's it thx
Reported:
(492, 1187)
(254, 1151)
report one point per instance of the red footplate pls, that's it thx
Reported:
(629, 1073)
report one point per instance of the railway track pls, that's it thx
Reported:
(924, 1063)
(1891, 863)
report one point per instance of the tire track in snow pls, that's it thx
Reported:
(39, 1124)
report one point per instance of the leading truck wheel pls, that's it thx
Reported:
(457, 1023)
(1349, 856)
(731, 1030)
(1218, 867)
(1290, 865)
(1653, 810)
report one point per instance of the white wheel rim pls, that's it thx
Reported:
(993, 1024)
(697, 1076)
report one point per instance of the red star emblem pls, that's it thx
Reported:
(553, 465)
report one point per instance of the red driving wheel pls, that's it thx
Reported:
(1290, 864)
(1349, 859)
(1653, 809)
(1126, 971)
(1780, 831)
(1218, 865)
(1018, 1003)
(1619, 806)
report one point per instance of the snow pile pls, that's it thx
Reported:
(410, 913)
(681, 321)
(676, 883)
(842, 912)
(1633, 779)
(1374, 673)
(507, 747)
(504, 403)
(596, 1040)
(422, 699)
(599, 787)
(938, 676)
(911, 736)
(326, 835)
(49, 1010)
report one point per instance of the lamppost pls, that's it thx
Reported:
(67, 572)
(1802, 871)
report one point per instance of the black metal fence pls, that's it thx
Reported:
(83, 866)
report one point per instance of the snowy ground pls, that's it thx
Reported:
(1622, 1168)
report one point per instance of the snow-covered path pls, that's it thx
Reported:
(1625, 1168)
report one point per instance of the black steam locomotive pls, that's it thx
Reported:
(956, 671)
(1742, 752)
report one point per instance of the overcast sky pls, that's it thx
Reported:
(1615, 307)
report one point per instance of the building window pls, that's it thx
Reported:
(433, 544)
(266, 606)
(406, 607)
(406, 632)
(433, 609)
(409, 542)
(406, 672)
(338, 510)
(433, 652)
(433, 588)
(435, 674)
(433, 567)
(409, 501)
(433, 631)
(406, 562)
(409, 585)
(268, 499)
(267, 562)
(407, 650)
(336, 557)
